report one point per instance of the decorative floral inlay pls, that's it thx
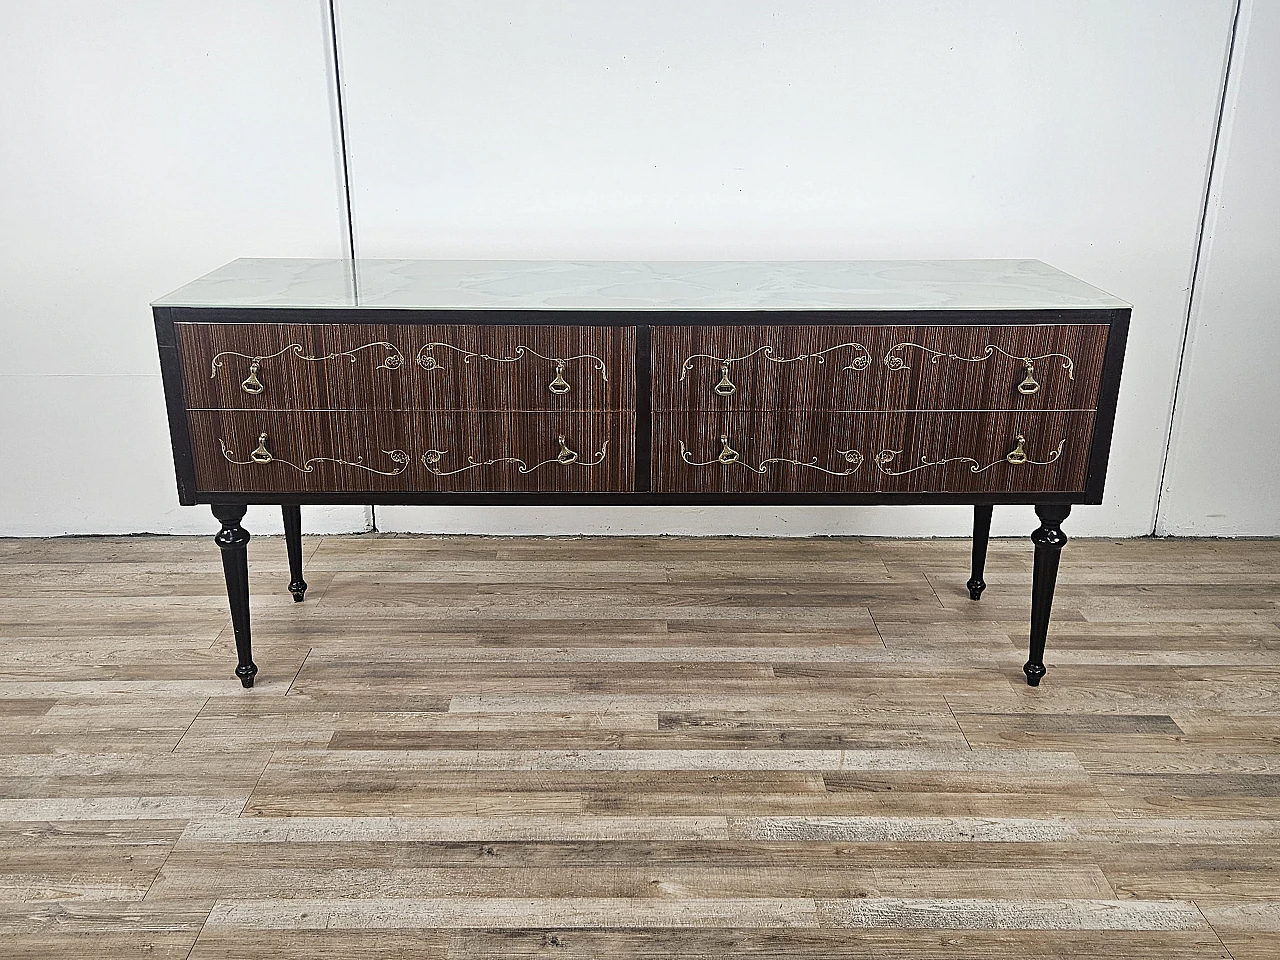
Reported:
(261, 456)
(728, 455)
(1028, 386)
(1017, 457)
(567, 457)
(253, 385)
(427, 360)
(727, 387)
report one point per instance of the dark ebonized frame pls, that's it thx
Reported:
(644, 320)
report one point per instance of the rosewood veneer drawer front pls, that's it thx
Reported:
(1009, 367)
(755, 368)
(265, 366)
(526, 368)
(859, 368)
(332, 451)
(293, 366)
(777, 452)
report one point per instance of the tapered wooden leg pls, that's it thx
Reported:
(1049, 540)
(293, 540)
(981, 534)
(234, 539)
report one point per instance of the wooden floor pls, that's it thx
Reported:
(590, 748)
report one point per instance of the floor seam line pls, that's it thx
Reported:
(1214, 930)
(190, 725)
(297, 673)
(271, 755)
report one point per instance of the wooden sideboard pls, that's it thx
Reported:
(531, 382)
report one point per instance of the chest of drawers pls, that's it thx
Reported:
(970, 382)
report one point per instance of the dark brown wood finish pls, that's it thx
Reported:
(337, 366)
(778, 452)
(877, 368)
(392, 451)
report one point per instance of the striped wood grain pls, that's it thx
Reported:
(375, 367)
(877, 369)
(388, 451)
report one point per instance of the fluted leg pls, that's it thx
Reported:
(1049, 540)
(981, 534)
(233, 539)
(293, 540)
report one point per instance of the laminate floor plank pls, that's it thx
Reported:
(469, 747)
(178, 881)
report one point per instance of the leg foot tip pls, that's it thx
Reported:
(299, 590)
(1034, 672)
(975, 589)
(246, 674)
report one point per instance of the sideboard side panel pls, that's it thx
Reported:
(1104, 420)
(175, 405)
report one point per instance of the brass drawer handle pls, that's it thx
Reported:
(253, 385)
(1029, 385)
(1016, 457)
(726, 387)
(559, 385)
(728, 455)
(567, 457)
(261, 456)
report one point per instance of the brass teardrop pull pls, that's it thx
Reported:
(261, 454)
(1029, 384)
(566, 456)
(251, 383)
(559, 385)
(1018, 454)
(727, 453)
(725, 387)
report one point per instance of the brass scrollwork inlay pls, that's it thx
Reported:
(727, 387)
(427, 360)
(728, 455)
(567, 457)
(1027, 387)
(254, 386)
(1016, 457)
(262, 456)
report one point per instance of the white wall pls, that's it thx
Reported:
(146, 143)
(1223, 477)
(141, 144)
(1076, 133)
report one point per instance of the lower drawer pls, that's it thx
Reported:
(782, 452)
(301, 452)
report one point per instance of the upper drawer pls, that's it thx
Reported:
(879, 368)
(334, 366)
